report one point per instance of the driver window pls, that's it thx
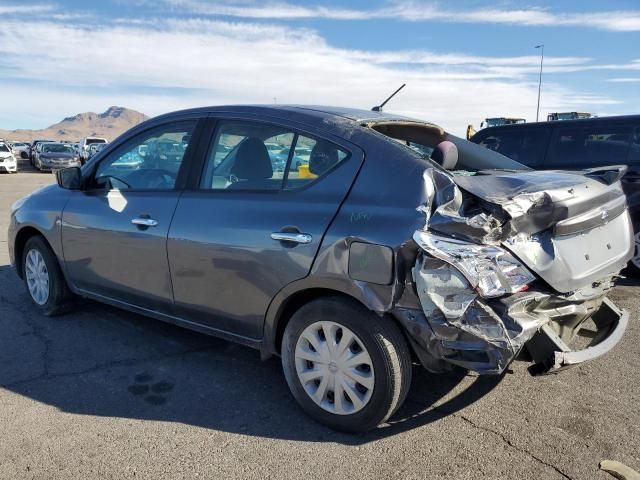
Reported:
(150, 161)
(247, 156)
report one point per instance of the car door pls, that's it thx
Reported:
(253, 223)
(114, 231)
(631, 181)
(586, 144)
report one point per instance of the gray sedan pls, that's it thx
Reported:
(398, 243)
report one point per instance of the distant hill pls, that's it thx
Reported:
(110, 124)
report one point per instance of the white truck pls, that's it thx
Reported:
(84, 144)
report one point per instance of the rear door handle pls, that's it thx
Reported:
(294, 237)
(145, 222)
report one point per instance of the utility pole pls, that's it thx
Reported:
(541, 46)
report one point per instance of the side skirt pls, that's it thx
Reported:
(180, 322)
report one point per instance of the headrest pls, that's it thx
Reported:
(252, 161)
(323, 157)
(446, 155)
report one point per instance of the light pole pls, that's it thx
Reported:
(541, 46)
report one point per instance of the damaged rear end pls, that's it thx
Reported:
(513, 261)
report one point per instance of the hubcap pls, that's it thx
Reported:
(636, 254)
(334, 368)
(37, 277)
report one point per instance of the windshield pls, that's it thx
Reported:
(3, 148)
(95, 140)
(495, 122)
(56, 148)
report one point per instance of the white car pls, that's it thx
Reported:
(84, 145)
(20, 149)
(8, 162)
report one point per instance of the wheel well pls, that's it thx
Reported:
(296, 301)
(22, 238)
(302, 297)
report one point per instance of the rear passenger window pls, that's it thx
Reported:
(590, 146)
(247, 156)
(311, 159)
(524, 146)
(259, 156)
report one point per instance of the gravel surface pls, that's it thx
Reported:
(105, 393)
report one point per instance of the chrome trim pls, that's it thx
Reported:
(292, 237)
(145, 222)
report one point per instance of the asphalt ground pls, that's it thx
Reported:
(102, 393)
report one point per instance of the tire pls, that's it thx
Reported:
(58, 296)
(388, 371)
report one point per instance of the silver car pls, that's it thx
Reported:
(50, 156)
(397, 243)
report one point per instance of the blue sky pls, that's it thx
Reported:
(462, 60)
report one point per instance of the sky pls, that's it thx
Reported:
(462, 60)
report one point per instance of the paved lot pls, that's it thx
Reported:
(105, 393)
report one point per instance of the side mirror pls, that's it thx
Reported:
(69, 178)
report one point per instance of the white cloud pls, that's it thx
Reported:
(25, 9)
(416, 11)
(58, 69)
(624, 80)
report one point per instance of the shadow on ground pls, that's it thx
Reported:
(106, 362)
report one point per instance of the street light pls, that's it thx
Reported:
(541, 46)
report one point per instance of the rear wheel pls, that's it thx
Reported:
(43, 278)
(347, 367)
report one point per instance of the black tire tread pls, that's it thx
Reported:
(60, 297)
(390, 342)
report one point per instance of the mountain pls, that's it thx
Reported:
(109, 124)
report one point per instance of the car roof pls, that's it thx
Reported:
(311, 111)
(554, 123)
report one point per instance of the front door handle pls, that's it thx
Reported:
(294, 237)
(145, 222)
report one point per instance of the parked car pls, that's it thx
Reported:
(20, 149)
(32, 149)
(576, 145)
(8, 161)
(85, 143)
(406, 243)
(301, 157)
(552, 117)
(95, 148)
(53, 156)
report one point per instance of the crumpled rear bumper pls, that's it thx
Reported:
(551, 353)
(457, 327)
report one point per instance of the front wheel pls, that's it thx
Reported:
(347, 367)
(43, 278)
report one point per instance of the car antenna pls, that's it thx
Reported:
(379, 107)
